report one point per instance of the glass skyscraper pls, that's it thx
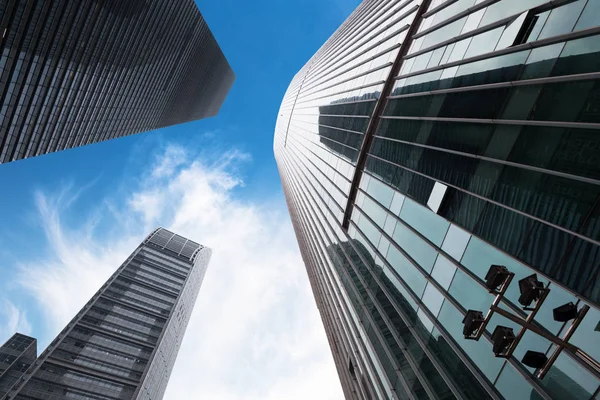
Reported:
(79, 72)
(441, 164)
(123, 343)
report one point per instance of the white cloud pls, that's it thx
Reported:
(255, 332)
(14, 320)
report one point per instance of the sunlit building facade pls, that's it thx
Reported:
(79, 72)
(123, 344)
(441, 164)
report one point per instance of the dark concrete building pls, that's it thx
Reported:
(441, 166)
(123, 343)
(79, 72)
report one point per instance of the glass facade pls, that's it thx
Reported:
(425, 142)
(79, 72)
(123, 344)
(16, 355)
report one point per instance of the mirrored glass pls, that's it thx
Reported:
(455, 242)
(426, 222)
(415, 247)
(406, 270)
(443, 271)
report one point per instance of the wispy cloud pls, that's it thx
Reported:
(255, 332)
(15, 320)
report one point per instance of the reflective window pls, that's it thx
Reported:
(380, 192)
(443, 271)
(426, 222)
(513, 385)
(455, 242)
(469, 294)
(479, 351)
(562, 20)
(433, 299)
(397, 203)
(587, 335)
(480, 256)
(568, 380)
(415, 247)
(589, 17)
(408, 272)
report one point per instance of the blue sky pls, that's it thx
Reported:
(70, 218)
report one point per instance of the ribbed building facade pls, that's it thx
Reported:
(423, 144)
(79, 72)
(123, 344)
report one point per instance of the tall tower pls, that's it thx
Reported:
(440, 164)
(79, 72)
(123, 343)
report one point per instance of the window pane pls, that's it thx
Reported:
(513, 385)
(443, 271)
(415, 247)
(406, 270)
(426, 222)
(455, 242)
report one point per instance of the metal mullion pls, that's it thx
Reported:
(362, 74)
(359, 17)
(158, 289)
(333, 127)
(126, 54)
(439, 7)
(359, 34)
(330, 181)
(368, 60)
(329, 150)
(84, 67)
(6, 76)
(367, 353)
(103, 82)
(16, 47)
(133, 306)
(486, 385)
(45, 111)
(62, 87)
(585, 238)
(337, 115)
(108, 332)
(93, 358)
(6, 20)
(382, 341)
(325, 162)
(556, 124)
(329, 306)
(25, 128)
(377, 83)
(457, 17)
(153, 264)
(85, 370)
(385, 376)
(357, 55)
(496, 161)
(401, 345)
(56, 140)
(13, 132)
(509, 50)
(141, 99)
(514, 309)
(93, 75)
(345, 103)
(508, 84)
(379, 109)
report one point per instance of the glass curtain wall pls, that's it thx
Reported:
(423, 143)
